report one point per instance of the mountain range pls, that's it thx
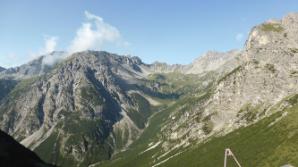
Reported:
(95, 108)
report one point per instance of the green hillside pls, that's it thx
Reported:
(268, 143)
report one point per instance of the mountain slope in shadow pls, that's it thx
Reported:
(13, 154)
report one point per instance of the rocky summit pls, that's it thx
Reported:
(95, 108)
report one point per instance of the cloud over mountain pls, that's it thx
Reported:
(93, 34)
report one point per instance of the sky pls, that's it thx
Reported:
(168, 31)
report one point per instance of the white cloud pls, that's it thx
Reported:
(50, 43)
(52, 58)
(93, 34)
(239, 37)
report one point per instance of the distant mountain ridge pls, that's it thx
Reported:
(38, 66)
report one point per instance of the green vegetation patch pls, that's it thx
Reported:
(293, 99)
(22, 87)
(141, 113)
(151, 134)
(272, 27)
(132, 156)
(294, 50)
(270, 142)
(76, 139)
(293, 73)
(6, 86)
(235, 70)
(208, 127)
(270, 67)
(267, 143)
(174, 82)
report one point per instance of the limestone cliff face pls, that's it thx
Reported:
(269, 73)
(265, 75)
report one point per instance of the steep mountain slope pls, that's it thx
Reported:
(14, 154)
(92, 103)
(269, 142)
(240, 98)
(265, 78)
(6, 85)
(246, 93)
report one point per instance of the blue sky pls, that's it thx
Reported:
(164, 30)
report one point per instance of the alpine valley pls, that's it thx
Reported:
(99, 109)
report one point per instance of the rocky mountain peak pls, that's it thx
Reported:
(212, 61)
(274, 34)
(106, 56)
(291, 18)
(268, 73)
(123, 66)
(38, 66)
(215, 55)
(45, 63)
(274, 42)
